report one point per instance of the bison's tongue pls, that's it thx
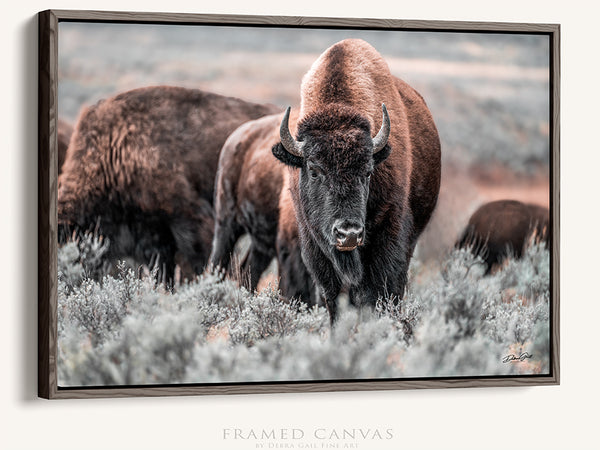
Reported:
(347, 244)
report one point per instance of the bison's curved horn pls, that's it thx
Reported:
(381, 139)
(289, 143)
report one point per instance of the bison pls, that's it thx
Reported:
(63, 136)
(247, 189)
(142, 166)
(503, 228)
(247, 201)
(247, 196)
(360, 201)
(294, 281)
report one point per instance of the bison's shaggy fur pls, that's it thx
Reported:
(294, 279)
(504, 228)
(247, 196)
(247, 200)
(339, 183)
(63, 136)
(142, 166)
(247, 190)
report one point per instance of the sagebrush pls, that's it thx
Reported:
(126, 328)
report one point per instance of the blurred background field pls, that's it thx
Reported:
(488, 93)
(489, 96)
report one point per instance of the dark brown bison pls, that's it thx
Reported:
(63, 136)
(360, 201)
(500, 229)
(294, 279)
(142, 166)
(247, 200)
(247, 190)
(247, 196)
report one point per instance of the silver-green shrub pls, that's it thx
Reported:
(127, 329)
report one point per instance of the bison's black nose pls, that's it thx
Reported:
(348, 236)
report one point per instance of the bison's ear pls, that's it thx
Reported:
(286, 157)
(382, 154)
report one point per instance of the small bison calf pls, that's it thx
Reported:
(503, 228)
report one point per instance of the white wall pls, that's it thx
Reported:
(548, 417)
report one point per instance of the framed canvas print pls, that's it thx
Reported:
(255, 204)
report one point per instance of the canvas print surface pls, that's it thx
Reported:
(392, 223)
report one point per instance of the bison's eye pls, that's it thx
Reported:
(315, 172)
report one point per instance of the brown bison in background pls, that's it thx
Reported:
(247, 190)
(247, 195)
(141, 166)
(64, 132)
(503, 228)
(360, 201)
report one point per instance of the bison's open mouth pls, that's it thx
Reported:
(349, 244)
(342, 248)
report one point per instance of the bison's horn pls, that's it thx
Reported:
(289, 143)
(381, 139)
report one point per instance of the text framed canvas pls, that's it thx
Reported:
(260, 204)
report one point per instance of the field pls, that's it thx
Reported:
(489, 97)
(127, 330)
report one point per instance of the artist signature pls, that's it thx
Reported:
(522, 357)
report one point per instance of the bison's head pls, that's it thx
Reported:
(336, 157)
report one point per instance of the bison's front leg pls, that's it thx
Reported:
(323, 273)
(385, 276)
(327, 297)
(294, 279)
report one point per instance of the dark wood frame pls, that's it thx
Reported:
(47, 203)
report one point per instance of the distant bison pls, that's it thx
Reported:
(142, 165)
(63, 136)
(503, 228)
(360, 201)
